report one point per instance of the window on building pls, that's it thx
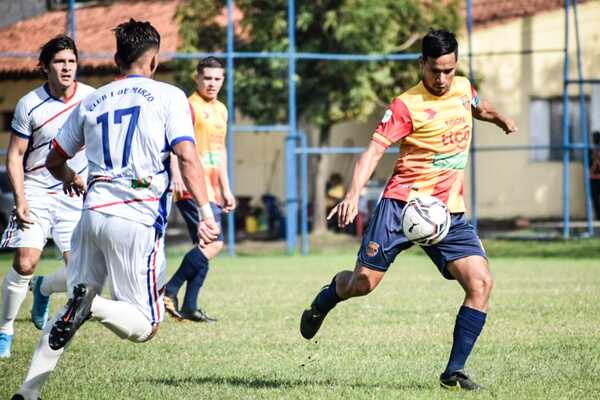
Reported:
(546, 127)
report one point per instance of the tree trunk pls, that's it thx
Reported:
(319, 216)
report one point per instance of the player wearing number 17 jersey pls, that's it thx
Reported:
(432, 121)
(128, 128)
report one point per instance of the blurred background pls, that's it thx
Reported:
(309, 80)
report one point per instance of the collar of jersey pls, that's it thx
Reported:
(135, 76)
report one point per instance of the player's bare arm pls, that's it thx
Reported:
(347, 209)
(487, 112)
(193, 178)
(16, 175)
(177, 185)
(56, 163)
(228, 197)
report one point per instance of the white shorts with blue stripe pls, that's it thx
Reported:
(129, 254)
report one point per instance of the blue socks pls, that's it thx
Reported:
(469, 323)
(193, 269)
(327, 298)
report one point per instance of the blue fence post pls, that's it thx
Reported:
(565, 123)
(583, 118)
(230, 123)
(304, 194)
(71, 19)
(473, 166)
(290, 145)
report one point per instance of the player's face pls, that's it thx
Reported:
(209, 82)
(438, 73)
(62, 68)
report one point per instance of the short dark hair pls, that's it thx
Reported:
(133, 39)
(208, 62)
(438, 43)
(53, 46)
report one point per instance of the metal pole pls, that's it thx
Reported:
(230, 122)
(565, 123)
(71, 19)
(291, 176)
(473, 166)
(304, 194)
(585, 132)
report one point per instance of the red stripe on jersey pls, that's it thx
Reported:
(442, 187)
(59, 149)
(54, 117)
(128, 201)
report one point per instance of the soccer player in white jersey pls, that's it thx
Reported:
(41, 207)
(128, 128)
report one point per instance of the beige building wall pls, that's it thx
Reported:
(510, 184)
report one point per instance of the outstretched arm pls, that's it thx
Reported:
(347, 209)
(486, 112)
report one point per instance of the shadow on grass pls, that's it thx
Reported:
(266, 383)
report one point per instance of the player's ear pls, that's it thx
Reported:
(154, 63)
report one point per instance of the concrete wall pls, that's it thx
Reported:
(510, 183)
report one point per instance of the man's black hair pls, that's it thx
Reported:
(53, 46)
(133, 39)
(438, 43)
(208, 62)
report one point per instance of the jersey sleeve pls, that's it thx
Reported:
(395, 124)
(21, 123)
(70, 138)
(178, 125)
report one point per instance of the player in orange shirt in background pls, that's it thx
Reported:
(210, 124)
(433, 121)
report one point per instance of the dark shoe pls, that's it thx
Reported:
(19, 397)
(172, 307)
(78, 311)
(197, 316)
(458, 380)
(311, 319)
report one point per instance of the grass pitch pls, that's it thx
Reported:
(542, 339)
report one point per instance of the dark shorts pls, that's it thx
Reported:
(189, 211)
(384, 240)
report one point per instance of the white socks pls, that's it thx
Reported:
(14, 290)
(55, 282)
(124, 319)
(42, 364)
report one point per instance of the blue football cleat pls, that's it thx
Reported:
(5, 345)
(41, 303)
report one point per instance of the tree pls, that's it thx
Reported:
(328, 92)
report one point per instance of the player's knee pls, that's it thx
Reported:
(146, 338)
(362, 285)
(481, 286)
(25, 265)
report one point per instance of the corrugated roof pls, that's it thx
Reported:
(94, 35)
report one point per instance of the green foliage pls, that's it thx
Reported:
(328, 91)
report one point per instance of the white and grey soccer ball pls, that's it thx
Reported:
(425, 220)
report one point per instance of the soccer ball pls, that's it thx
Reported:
(425, 220)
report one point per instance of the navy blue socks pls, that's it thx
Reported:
(193, 269)
(327, 298)
(469, 323)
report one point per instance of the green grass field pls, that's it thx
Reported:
(542, 339)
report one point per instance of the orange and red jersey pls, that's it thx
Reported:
(434, 134)
(210, 126)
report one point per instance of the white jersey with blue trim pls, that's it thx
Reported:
(128, 128)
(38, 117)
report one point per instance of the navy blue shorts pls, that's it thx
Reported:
(384, 240)
(189, 211)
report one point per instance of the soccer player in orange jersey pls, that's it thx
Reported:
(210, 124)
(433, 121)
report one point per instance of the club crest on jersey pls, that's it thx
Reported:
(372, 249)
(387, 116)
